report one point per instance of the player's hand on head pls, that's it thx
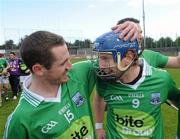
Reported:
(128, 29)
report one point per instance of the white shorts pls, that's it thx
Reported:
(4, 79)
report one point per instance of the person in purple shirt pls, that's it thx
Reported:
(14, 70)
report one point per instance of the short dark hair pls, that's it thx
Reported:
(13, 53)
(128, 19)
(36, 48)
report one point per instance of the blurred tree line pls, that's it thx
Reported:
(9, 44)
(87, 43)
(162, 42)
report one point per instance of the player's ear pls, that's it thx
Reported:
(130, 56)
(38, 69)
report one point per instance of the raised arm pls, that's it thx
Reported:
(173, 62)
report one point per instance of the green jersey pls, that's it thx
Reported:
(134, 111)
(158, 60)
(68, 116)
(3, 64)
(155, 59)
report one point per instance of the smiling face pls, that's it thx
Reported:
(57, 73)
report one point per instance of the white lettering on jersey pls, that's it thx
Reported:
(116, 98)
(66, 112)
(137, 132)
(135, 103)
(69, 116)
(136, 95)
(64, 109)
(49, 126)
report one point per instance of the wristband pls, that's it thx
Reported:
(99, 125)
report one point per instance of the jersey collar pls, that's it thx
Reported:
(35, 99)
(147, 71)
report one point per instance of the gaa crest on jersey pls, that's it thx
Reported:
(78, 99)
(155, 98)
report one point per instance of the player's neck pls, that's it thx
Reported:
(43, 88)
(131, 74)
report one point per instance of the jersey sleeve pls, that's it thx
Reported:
(85, 74)
(14, 129)
(155, 59)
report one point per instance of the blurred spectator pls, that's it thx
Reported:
(4, 82)
(14, 70)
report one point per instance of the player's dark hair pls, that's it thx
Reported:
(37, 47)
(128, 19)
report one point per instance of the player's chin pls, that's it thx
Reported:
(65, 79)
